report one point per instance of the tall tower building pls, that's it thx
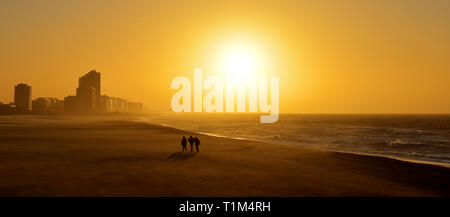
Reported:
(22, 97)
(88, 91)
(91, 80)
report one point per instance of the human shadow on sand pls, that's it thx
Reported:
(181, 156)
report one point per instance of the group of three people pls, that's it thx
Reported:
(191, 141)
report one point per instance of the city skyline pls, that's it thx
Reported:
(88, 99)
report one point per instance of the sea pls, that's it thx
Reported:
(412, 137)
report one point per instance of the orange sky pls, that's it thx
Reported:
(331, 56)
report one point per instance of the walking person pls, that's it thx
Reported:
(184, 143)
(191, 142)
(197, 143)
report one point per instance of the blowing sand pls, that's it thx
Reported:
(104, 157)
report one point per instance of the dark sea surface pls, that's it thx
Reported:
(409, 137)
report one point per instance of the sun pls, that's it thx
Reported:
(241, 64)
(239, 60)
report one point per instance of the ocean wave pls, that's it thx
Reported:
(404, 142)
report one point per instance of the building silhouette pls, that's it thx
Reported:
(71, 104)
(22, 98)
(88, 98)
(87, 95)
(7, 108)
(46, 105)
(88, 91)
(115, 104)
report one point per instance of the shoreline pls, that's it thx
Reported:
(404, 159)
(441, 164)
(446, 165)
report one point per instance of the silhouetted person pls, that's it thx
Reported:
(191, 142)
(184, 143)
(197, 143)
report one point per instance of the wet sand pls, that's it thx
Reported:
(106, 157)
